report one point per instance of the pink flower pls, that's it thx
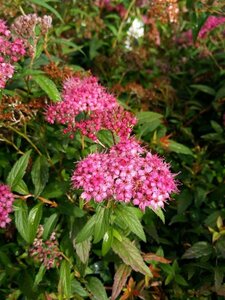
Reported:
(6, 202)
(100, 109)
(10, 52)
(211, 23)
(127, 173)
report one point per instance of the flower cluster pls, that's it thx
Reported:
(127, 173)
(86, 95)
(11, 50)
(25, 27)
(46, 252)
(6, 202)
(211, 23)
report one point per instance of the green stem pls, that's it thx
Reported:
(12, 144)
(123, 23)
(26, 138)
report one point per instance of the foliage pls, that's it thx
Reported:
(170, 75)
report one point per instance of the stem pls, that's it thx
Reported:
(26, 138)
(42, 199)
(123, 23)
(12, 144)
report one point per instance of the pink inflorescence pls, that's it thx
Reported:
(100, 109)
(211, 23)
(47, 252)
(11, 50)
(127, 173)
(6, 202)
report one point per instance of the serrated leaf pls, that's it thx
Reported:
(107, 241)
(39, 276)
(83, 250)
(18, 170)
(101, 223)
(87, 230)
(120, 278)
(96, 288)
(77, 288)
(64, 286)
(130, 255)
(48, 86)
(148, 117)
(178, 148)
(21, 218)
(21, 188)
(34, 219)
(160, 214)
(129, 218)
(204, 88)
(155, 257)
(199, 249)
(40, 174)
(50, 225)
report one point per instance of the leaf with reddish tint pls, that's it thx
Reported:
(120, 279)
(130, 255)
(154, 257)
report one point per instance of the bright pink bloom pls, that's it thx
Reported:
(6, 202)
(211, 23)
(100, 109)
(127, 173)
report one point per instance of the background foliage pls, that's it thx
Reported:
(176, 88)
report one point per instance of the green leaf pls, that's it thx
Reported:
(96, 288)
(130, 255)
(64, 286)
(39, 276)
(160, 214)
(216, 126)
(220, 93)
(101, 223)
(21, 218)
(120, 278)
(50, 225)
(21, 188)
(199, 249)
(87, 230)
(48, 7)
(83, 250)
(48, 86)
(18, 170)
(34, 219)
(178, 148)
(107, 241)
(77, 288)
(149, 121)
(128, 217)
(204, 88)
(40, 174)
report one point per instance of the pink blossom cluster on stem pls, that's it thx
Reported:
(127, 173)
(47, 252)
(6, 203)
(101, 109)
(11, 50)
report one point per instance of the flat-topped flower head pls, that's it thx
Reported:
(80, 95)
(127, 173)
(6, 202)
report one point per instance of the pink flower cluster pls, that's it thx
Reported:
(100, 108)
(211, 23)
(186, 38)
(46, 252)
(6, 202)
(127, 173)
(107, 5)
(11, 50)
